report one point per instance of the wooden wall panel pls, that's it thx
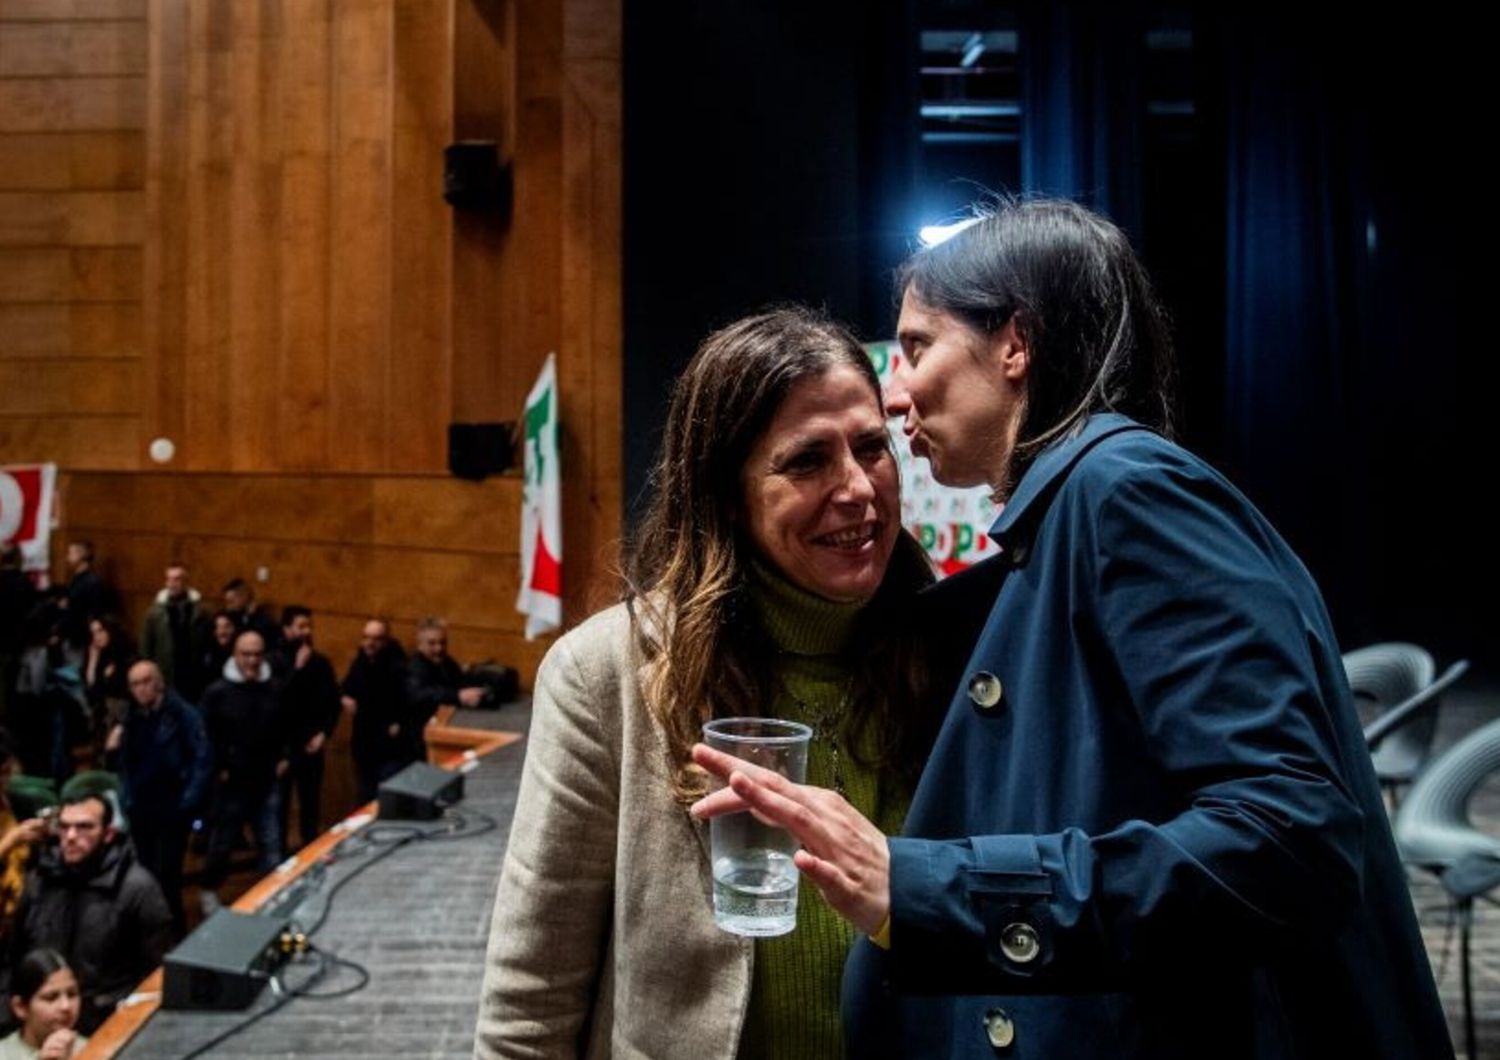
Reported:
(222, 223)
(82, 218)
(72, 231)
(421, 386)
(72, 49)
(33, 331)
(72, 161)
(50, 10)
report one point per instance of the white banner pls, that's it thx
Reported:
(540, 598)
(28, 512)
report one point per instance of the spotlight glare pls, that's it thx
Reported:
(932, 235)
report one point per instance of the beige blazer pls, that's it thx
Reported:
(603, 942)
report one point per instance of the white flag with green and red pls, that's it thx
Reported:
(540, 598)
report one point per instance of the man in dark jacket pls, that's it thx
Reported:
(89, 596)
(310, 697)
(375, 693)
(88, 899)
(248, 731)
(433, 680)
(175, 634)
(166, 766)
(245, 613)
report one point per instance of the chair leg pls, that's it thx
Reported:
(1466, 921)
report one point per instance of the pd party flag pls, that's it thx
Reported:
(28, 511)
(540, 598)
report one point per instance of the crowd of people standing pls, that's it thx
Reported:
(115, 751)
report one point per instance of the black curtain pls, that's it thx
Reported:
(1296, 257)
(1082, 105)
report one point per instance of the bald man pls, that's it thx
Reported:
(166, 765)
(247, 725)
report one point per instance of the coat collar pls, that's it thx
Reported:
(1046, 473)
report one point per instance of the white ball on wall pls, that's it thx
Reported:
(162, 450)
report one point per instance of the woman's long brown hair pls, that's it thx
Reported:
(686, 578)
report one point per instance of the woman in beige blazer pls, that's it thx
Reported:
(771, 577)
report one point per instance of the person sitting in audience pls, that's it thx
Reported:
(240, 606)
(45, 1004)
(247, 728)
(165, 766)
(175, 634)
(433, 680)
(310, 698)
(17, 838)
(87, 898)
(375, 694)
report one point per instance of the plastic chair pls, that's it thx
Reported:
(1400, 740)
(1385, 676)
(1433, 832)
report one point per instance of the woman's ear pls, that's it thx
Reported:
(18, 1009)
(1010, 350)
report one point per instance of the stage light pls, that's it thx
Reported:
(932, 235)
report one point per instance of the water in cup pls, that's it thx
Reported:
(755, 881)
(755, 892)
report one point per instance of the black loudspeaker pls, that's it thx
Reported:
(419, 792)
(478, 450)
(224, 963)
(474, 179)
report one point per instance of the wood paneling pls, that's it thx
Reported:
(72, 230)
(73, 330)
(72, 49)
(45, 104)
(54, 10)
(72, 161)
(83, 218)
(224, 225)
(72, 441)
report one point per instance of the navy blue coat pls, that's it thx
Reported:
(1149, 826)
(166, 763)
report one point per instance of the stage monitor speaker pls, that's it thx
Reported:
(224, 963)
(419, 792)
(478, 450)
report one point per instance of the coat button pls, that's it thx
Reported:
(985, 690)
(999, 1028)
(1019, 943)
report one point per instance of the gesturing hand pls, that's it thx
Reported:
(843, 854)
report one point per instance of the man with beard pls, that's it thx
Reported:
(88, 899)
(375, 694)
(310, 698)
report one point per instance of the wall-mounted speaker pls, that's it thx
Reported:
(473, 177)
(478, 450)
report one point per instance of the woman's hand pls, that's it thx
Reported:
(844, 855)
(58, 1046)
(33, 830)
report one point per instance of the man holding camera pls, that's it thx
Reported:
(88, 899)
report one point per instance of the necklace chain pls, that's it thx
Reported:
(825, 726)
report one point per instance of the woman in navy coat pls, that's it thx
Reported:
(1149, 827)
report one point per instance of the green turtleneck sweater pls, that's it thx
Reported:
(794, 995)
